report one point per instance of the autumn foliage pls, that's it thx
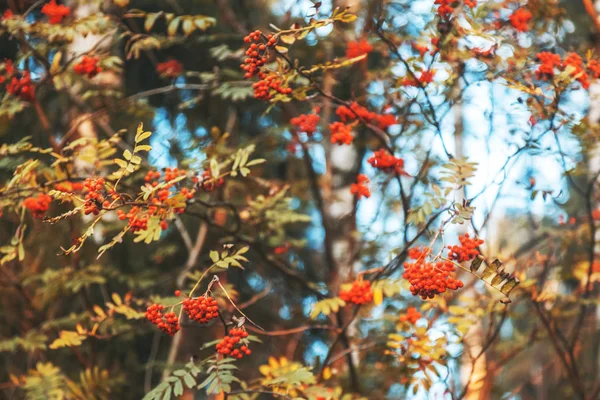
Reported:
(247, 200)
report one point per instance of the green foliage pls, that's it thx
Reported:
(229, 257)
(188, 23)
(458, 172)
(273, 213)
(173, 385)
(45, 382)
(220, 376)
(32, 341)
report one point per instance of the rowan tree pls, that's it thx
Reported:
(299, 200)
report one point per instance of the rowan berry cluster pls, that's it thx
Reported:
(136, 220)
(152, 178)
(55, 12)
(418, 253)
(356, 111)
(383, 160)
(423, 79)
(429, 279)
(359, 293)
(88, 66)
(257, 54)
(307, 123)
(411, 316)
(18, 86)
(550, 63)
(7, 14)
(169, 69)
(467, 250)
(520, 19)
(341, 133)
(38, 205)
(168, 322)
(95, 198)
(233, 345)
(422, 49)
(69, 187)
(358, 48)
(263, 89)
(446, 7)
(360, 188)
(208, 183)
(201, 309)
(574, 61)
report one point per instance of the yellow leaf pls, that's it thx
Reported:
(80, 329)
(281, 49)
(273, 362)
(326, 373)
(117, 299)
(67, 339)
(378, 296)
(99, 311)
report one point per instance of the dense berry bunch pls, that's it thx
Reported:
(168, 322)
(358, 48)
(467, 250)
(169, 69)
(233, 345)
(38, 205)
(55, 12)
(429, 279)
(307, 123)
(267, 85)
(594, 67)
(520, 19)
(360, 188)
(201, 309)
(257, 54)
(136, 220)
(88, 66)
(95, 198)
(445, 7)
(549, 61)
(341, 133)
(208, 183)
(418, 253)
(383, 160)
(138, 217)
(411, 316)
(7, 14)
(20, 86)
(359, 293)
(69, 187)
(355, 111)
(574, 61)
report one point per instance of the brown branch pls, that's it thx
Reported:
(591, 10)
(292, 331)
